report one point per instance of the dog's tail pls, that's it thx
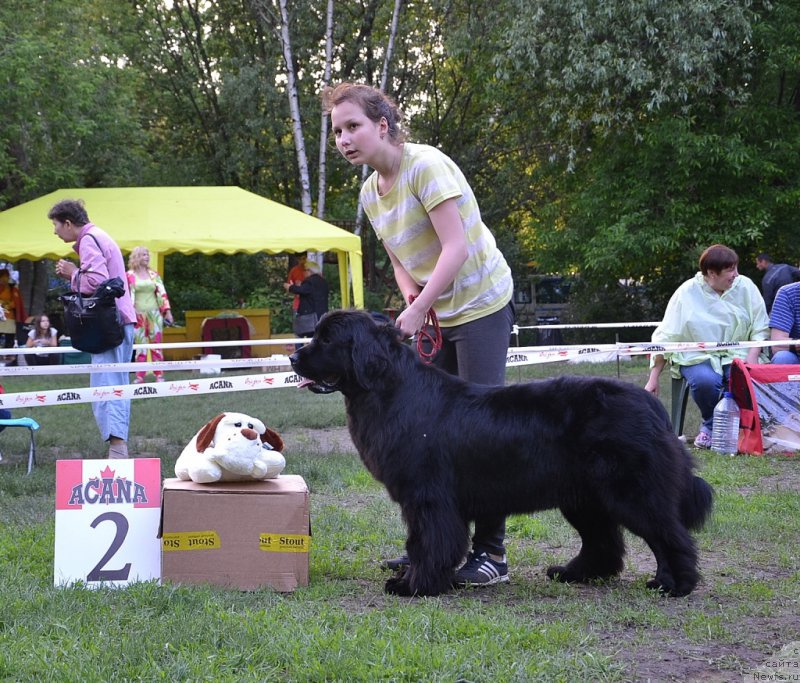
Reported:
(697, 502)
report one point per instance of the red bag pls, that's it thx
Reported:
(769, 402)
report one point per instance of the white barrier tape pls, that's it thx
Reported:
(635, 348)
(530, 355)
(583, 326)
(516, 356)
(189, 387)
(25, 351)
(81, 368)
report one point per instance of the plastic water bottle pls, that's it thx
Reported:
(725, 434)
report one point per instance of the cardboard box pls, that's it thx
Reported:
(245, 535)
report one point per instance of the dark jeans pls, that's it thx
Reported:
(43, 359)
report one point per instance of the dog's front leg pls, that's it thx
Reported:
(437, 543)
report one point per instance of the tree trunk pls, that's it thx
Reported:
(33, 282)
(323, 128)
(294, 103)
(294, 106)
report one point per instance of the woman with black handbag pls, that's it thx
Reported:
(100, 260)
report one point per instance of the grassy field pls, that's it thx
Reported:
(342, 627)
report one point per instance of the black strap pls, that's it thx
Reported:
(78, 281)
(96, 242)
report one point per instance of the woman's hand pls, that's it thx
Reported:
(411, 320)
(652, 386)
(65, 269)
(659, 362)
(752, 355)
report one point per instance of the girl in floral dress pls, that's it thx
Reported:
(152, 308)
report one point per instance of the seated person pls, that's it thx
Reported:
(42, 335)
(784, 323)
(716, 305)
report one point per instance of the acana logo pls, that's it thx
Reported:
(221, 384)
(109, 490)
(145, 391)
(68, 396)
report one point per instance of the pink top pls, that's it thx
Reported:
(101, 264)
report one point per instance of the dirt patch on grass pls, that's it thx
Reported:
(322, 441)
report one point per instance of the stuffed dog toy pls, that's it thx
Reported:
(231, 447)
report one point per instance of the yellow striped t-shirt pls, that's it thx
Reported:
(426, 178)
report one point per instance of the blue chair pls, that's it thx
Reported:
(28, 423)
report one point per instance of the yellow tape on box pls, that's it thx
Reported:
(191, 540)
(284, 543)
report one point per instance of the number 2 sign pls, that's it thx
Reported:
(107, 517)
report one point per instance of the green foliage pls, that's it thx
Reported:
(607, 303)
(681, 134)
(199, 281)
(602, 67)
(69, 118)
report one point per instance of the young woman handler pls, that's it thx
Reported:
(422, 208)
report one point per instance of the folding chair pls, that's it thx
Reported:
(28, 423)
(680, 397)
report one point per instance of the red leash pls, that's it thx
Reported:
(435, 339)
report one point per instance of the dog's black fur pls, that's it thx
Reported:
(450, 452)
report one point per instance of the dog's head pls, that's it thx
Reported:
(349, 352)
(225, 425)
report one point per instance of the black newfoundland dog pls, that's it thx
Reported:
(450, 452)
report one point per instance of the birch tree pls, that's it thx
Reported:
(323, 125)
(294, 106)
(280, 26)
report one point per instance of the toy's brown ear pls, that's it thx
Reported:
(273, 439)
(206, 435)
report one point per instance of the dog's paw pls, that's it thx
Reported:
(560, 573)
(670, 588)
(398, 585)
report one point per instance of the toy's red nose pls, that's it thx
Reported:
(248, 433)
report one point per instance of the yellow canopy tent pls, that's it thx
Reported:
(188, 220)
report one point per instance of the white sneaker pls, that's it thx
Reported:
(702, 440)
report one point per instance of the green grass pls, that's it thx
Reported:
(342, 627)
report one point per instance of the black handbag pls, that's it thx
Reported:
(93, 322)
(305, 324)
